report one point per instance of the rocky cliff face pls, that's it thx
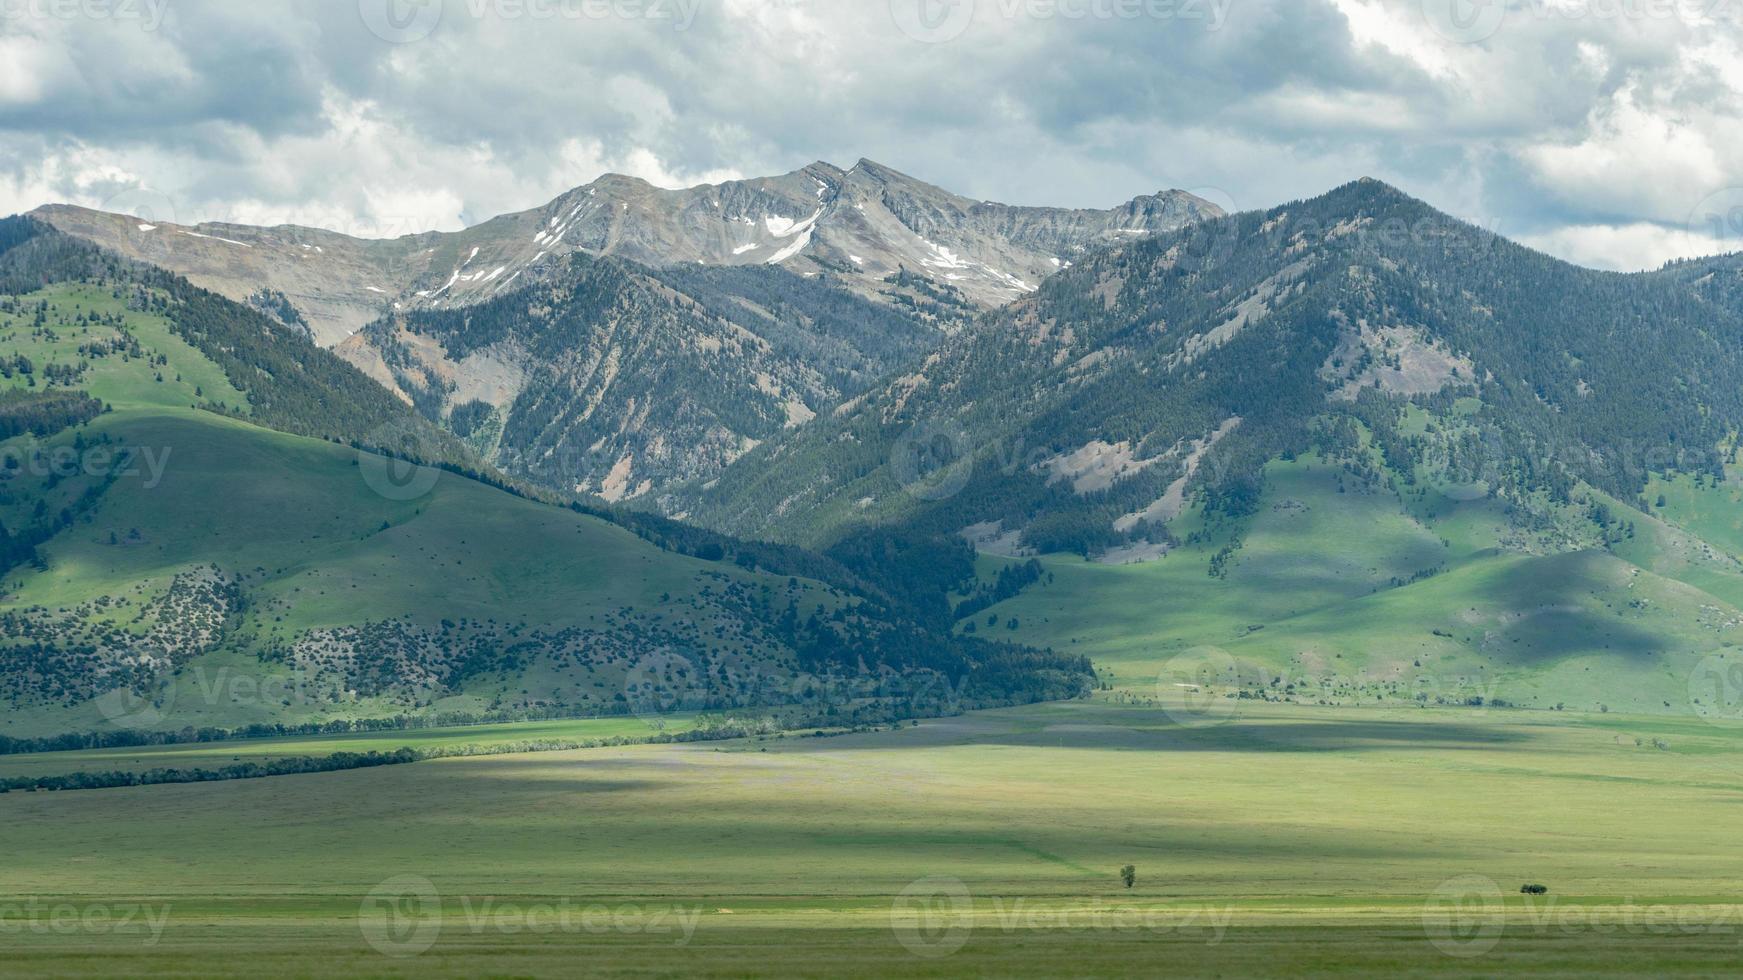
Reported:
(880, 233)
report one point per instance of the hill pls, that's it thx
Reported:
(173, 564)
(1346, 436)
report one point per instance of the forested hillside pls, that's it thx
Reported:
(1212, 350)
(612, 379)
(1349, 433)
(199, 540)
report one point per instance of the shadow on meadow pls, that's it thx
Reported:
(1233, 734)
(1553, 610)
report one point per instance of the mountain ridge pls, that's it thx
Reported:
(340, 282)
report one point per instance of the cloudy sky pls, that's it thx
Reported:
(1606, 131)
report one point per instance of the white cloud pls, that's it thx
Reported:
(1628, 248)
(1560, 120)
(1633, 158)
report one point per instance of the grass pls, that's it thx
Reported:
(1327, 594)
(312, 542)
(216, 755)
(1321, 829)
(314, 539)
(1316, 839)
(318, 548)
(188, 377)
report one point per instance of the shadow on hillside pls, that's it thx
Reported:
(1232, 735)
(1552, 602)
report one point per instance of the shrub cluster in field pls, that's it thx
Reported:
(68, 655)
(43, 413)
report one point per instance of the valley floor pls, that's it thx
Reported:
(1267, 839)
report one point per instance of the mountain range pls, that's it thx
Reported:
(638, 285)
(1347, 448)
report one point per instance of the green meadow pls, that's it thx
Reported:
(216, 755)
(1342, 747)
(1341, 595)
(1267, 839)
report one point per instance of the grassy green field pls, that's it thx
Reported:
(1328, 595)
(216, 755)
(1445, 700)
(320, 549)
(1267, 839)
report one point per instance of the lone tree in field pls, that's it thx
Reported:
(1129, 875)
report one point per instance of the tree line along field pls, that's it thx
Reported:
(1266, 839)
(216, 754)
